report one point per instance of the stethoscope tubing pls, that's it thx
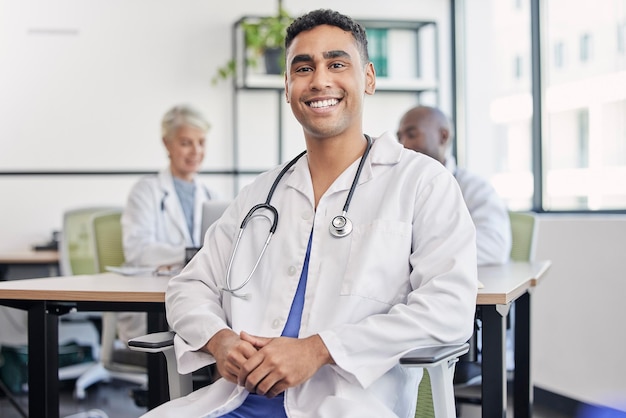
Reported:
(334, 230)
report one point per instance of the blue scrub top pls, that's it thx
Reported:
(260, 406)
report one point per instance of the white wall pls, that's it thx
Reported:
(578, 334)
(84, 84)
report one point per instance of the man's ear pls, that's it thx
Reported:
(445, 136)
(286, 89)
(370, 79)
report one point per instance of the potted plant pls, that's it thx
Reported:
(264, 38)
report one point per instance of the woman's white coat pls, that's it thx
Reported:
(154, 229)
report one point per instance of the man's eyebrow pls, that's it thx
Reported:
(336, 54)
(301, 58)
(327, 55)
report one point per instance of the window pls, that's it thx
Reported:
(559, 55)
(498, 143)
(621, 38)
(583, 111)
(580, 147)
(518, 67)
(585, 47)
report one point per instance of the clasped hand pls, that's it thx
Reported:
(267, 366)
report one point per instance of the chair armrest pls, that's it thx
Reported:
(163, 342)
(438, 362)
(428, 357)
(153, 343)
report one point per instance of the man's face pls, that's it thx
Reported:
(326, 80)
(422, 134)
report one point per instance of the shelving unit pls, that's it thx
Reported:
(409, 49)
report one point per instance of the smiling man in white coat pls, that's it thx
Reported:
(372, 254)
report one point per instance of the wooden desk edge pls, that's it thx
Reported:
(543, 269)
(81, 296)
(30, 257)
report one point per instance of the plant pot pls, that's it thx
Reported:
(273, 58)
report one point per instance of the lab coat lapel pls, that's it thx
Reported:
(299, 178)
(171, 205)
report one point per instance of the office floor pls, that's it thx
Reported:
(104, 400)
(474, 411)
(114, 400)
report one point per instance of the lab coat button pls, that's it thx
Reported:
(276, 323)
(292, 270)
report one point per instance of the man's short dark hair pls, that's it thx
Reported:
(332, 18)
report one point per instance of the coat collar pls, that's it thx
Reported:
(386, 151)
(170, 203)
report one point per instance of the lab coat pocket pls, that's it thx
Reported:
(378, 264)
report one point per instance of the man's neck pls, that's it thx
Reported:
(329, 157)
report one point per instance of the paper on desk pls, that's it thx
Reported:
(129, 270)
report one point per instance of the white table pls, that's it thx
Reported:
(504, 285)
(47, 298)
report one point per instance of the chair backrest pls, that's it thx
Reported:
(107, 236)
(522, 233)
(425, 407)
(77, 252)
(109, 251)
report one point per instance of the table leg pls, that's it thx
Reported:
(43, 362)
(494, 395)
(522, 387)
(158, 392)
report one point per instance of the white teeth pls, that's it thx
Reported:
(324, 103)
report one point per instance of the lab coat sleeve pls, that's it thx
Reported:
(142, 244)
(440, 305)
(490, 217)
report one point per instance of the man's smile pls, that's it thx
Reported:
(322, 103)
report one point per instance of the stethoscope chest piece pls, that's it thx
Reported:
(340, 226)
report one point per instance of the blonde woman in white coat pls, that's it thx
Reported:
(163, 214)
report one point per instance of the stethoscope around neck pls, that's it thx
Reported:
(340, 225)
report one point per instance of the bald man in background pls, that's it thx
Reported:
(429, 131)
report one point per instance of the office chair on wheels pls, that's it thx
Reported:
(116, 360)
(435, 395)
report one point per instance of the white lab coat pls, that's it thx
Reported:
(405, 277)
(489, 214)
(154, 228)
(155, 233)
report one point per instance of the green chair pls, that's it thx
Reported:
(115, 362)
(435, 393)
(425, 407)
(77, 252)
(107, 233)
(435, 396)
(522, 234)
